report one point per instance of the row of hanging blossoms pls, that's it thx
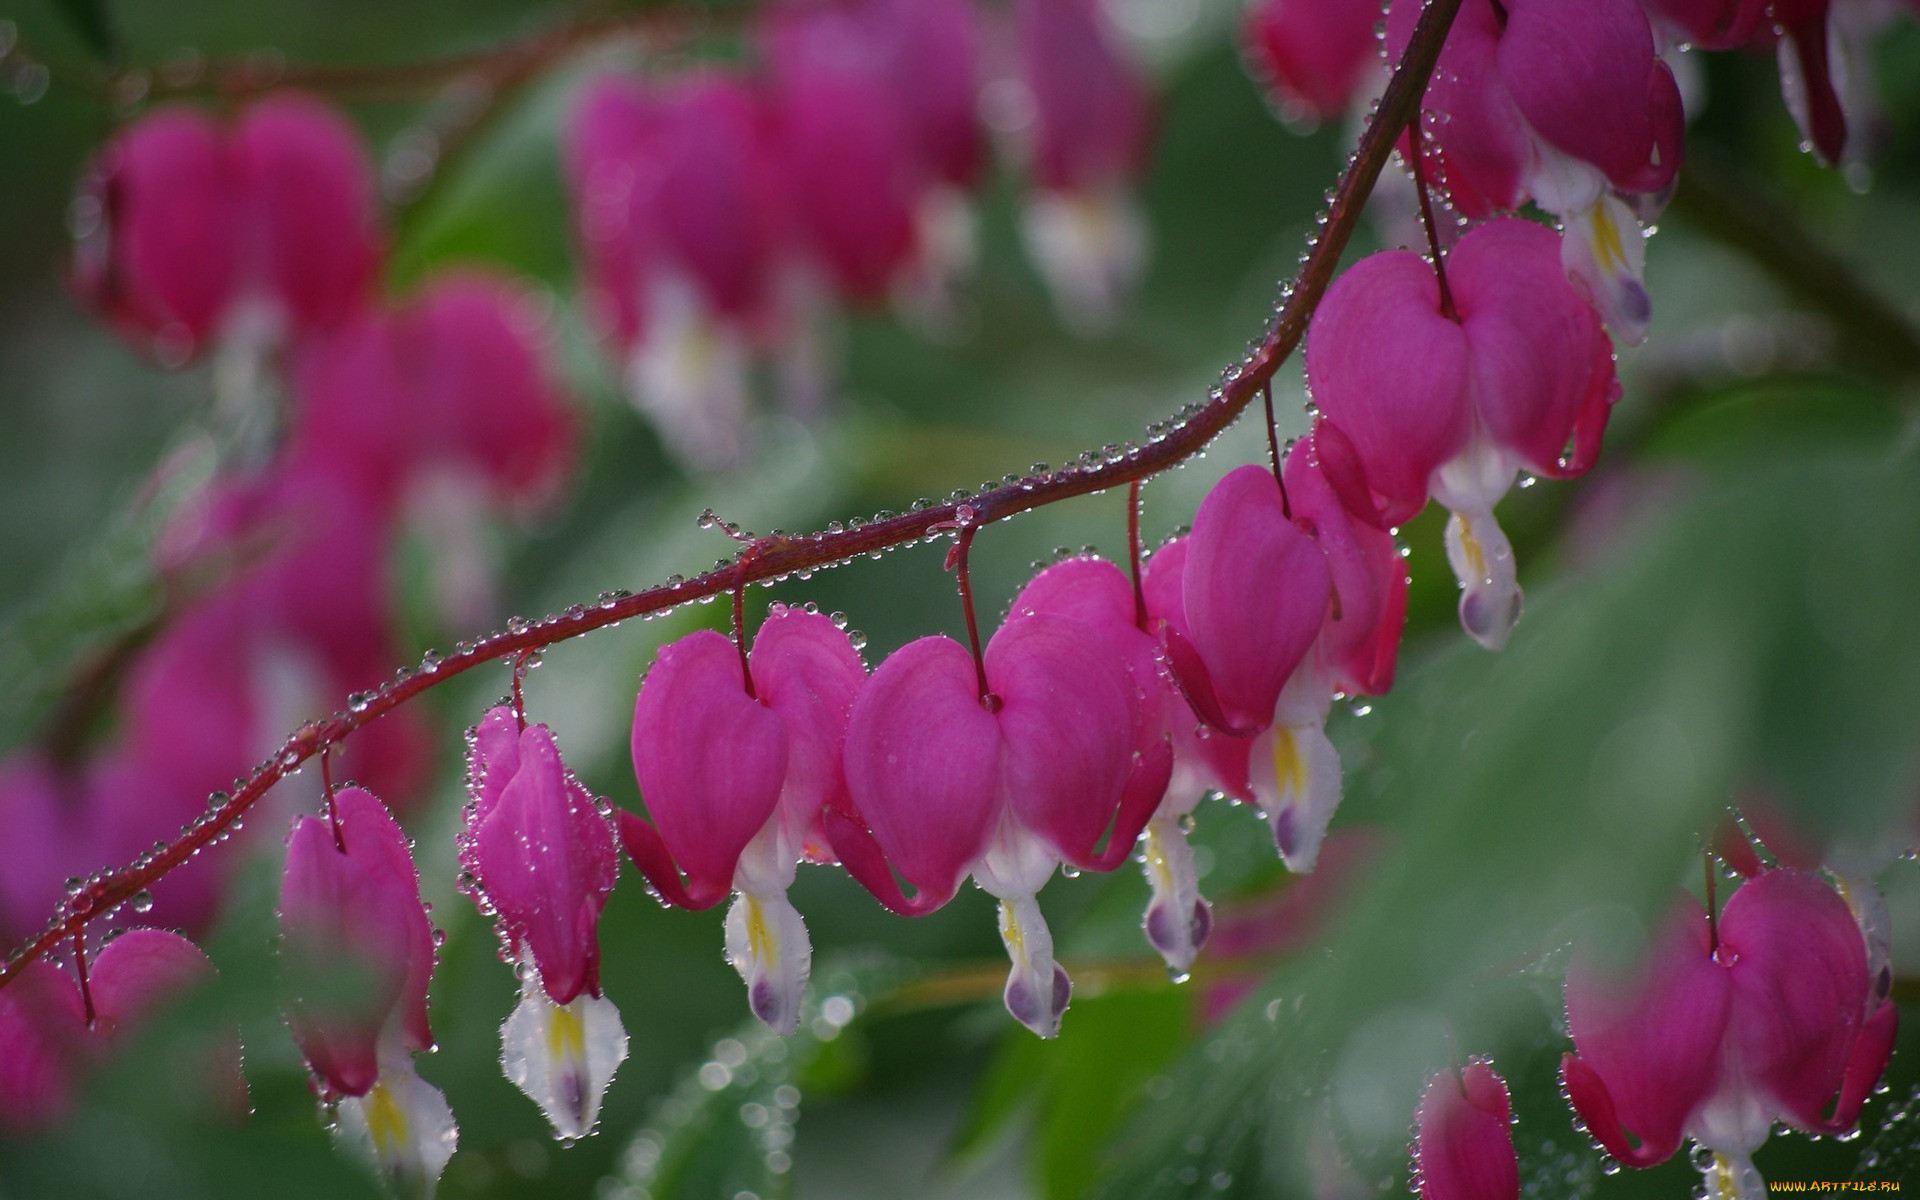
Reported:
(722, 217)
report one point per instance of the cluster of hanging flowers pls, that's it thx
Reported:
(1081, 733)
(725, 213)
(1763, 1014)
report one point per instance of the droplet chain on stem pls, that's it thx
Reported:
(777, 557)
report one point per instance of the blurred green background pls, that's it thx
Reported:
(1728, 601)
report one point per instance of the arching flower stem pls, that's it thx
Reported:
(520, 661)
(777, 557)
(740, 623)
(1133, 556)
(80, 970)
(957, 562)
(1416, 139)
(1273, 449)
(333, 809)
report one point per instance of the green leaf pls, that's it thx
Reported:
(1080, 1085)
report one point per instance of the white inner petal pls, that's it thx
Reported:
(563, 1056)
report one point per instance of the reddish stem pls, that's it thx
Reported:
(519, 688)
(80, 969)
(776, 557)
(740, 623)
(957, 561)
(1273, 450)
(1416, 139)
(333, 810)
(1133, 555)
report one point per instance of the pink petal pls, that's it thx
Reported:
(1649, 1045)
(1314, 54)
(1068, 716)
(1255, 591)
(1098, 594)
(41, 1023)
(1360, 641)
(1463, 1147)
(346, 929)
(1394, 374)
(853, 176)
(934, 75)
(471, 361)
(1475, 136)
(709, 188)
(642, 843)
(144, 969)
(1161, 582)
(709, 758)
(1146, 787)
(1822, 117)
(1090, 590)
(1091, 108)
(1585, 75)
(376, 843)
(1865, 1066)
(1799, 972)
(923, 764)
(309, 189)
(854, 845)
(1218, 760)
(606, 139)
(49, 840)
(130, 802)
(169, 263)
(806, 670)
(1532, 339)
(141, 969)
(545, 860)
(492, 759)
(1095, 593)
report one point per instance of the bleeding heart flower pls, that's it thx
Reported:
(1463, 1145)
(541, 860)
(847, 152)
(683, 221)
(1096, 593)
(358, 950)
(1519, 375)
(1318, 57)
(1005, 785)
(1566, 103)
(438, 413)
(1255, 593)
(736, 782)
(244, 233)
(1725, 1030)
(50, 1031)
(1089, 143)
